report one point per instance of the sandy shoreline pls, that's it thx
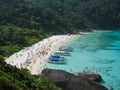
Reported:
(33, 57)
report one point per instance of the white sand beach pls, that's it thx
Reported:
(33, 57)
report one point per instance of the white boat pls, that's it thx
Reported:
(56, 60)
(63, 53)
(65, 48)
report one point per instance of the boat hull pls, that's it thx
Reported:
(56, 62)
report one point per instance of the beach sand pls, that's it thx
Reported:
(33, 57)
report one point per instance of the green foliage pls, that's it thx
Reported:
(25, 22)
(12, 78)
(8, 50)
(59, 16)
(1, 58)
(97, 14)
(102, 14)
(13, 38)
(31, 40)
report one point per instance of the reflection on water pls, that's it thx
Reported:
(95, 52)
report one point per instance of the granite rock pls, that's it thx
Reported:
(69, 81)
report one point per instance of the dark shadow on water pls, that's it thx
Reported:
(59, 63)
(66, 55)
(102, 81)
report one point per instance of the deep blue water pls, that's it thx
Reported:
(96, 52)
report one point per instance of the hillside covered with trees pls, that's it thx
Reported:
(87, 14)
(25, 22)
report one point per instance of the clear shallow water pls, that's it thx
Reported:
(96, 52)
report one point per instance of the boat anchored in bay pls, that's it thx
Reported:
(56, 59)
(65, 48)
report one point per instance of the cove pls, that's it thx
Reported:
(95, 52)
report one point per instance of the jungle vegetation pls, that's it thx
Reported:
(25, 22)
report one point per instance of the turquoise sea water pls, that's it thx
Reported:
(96, 52)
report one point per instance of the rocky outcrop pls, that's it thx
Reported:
(69, 81)
(89, 75)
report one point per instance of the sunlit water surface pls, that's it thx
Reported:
(95, 52)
